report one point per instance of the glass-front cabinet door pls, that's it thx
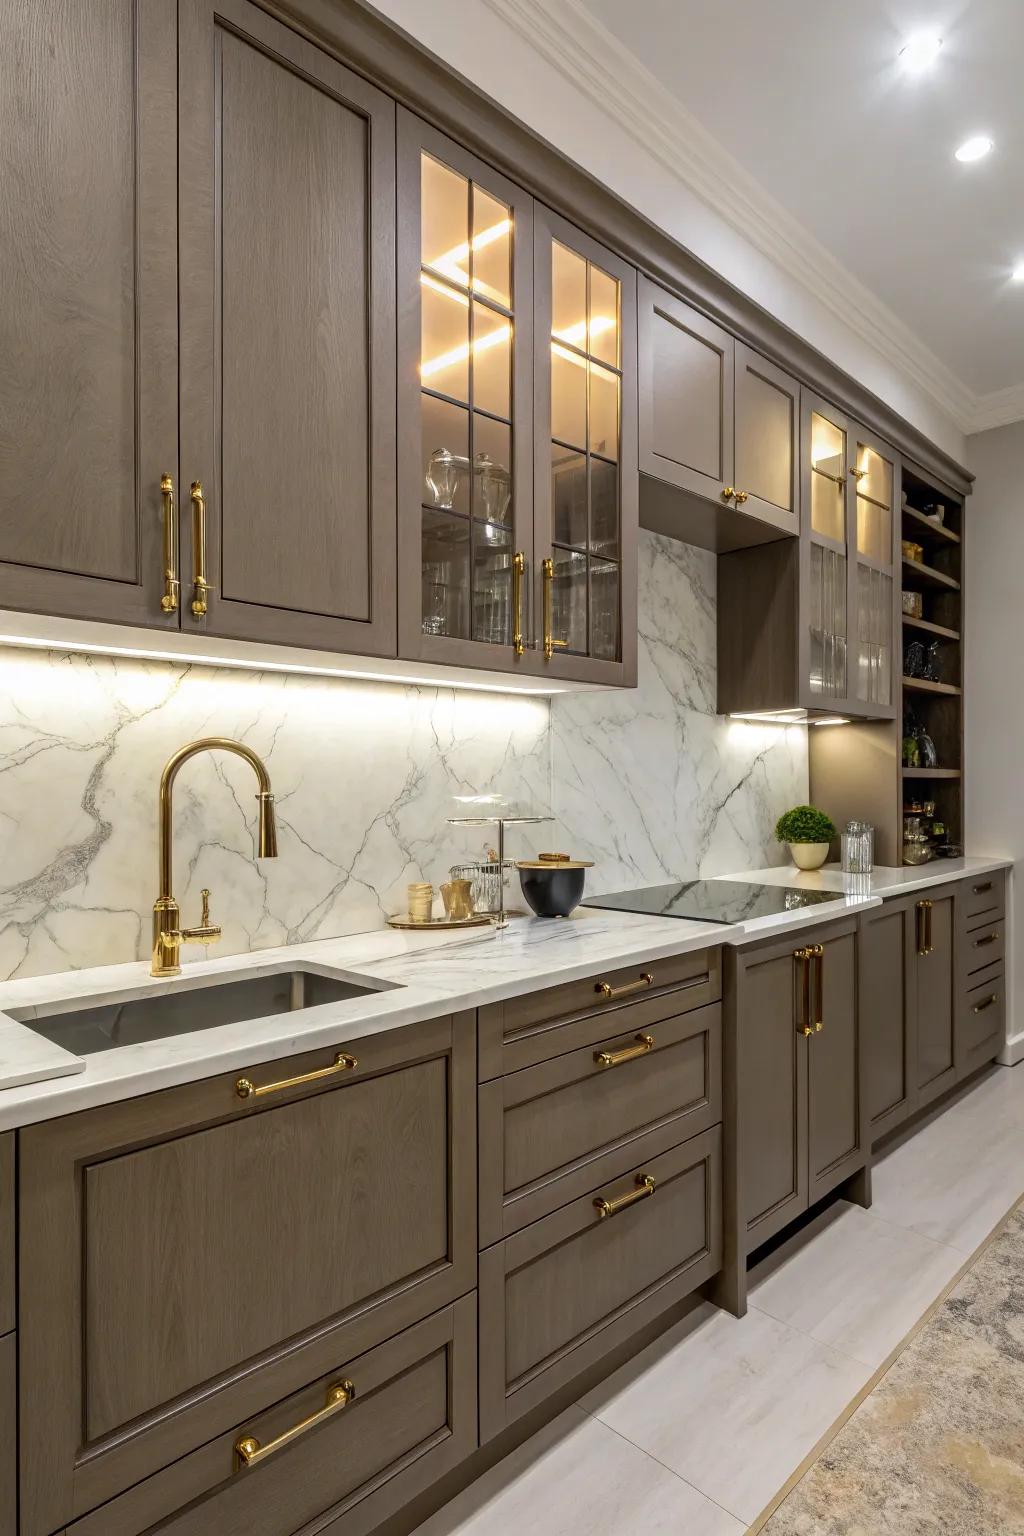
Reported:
(875, 475)
(465, 410)
(825, 565)
(585, 465)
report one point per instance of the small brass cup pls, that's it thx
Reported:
(457, 898)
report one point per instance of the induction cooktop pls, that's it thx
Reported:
(712, 901)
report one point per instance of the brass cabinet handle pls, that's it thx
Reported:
(979, 890)
(200, 585)
(980, 1007)
(803, 960)
(741, 497)
(249, 1450)
(924, 927)
(343, 1062)
(728, 492)
(644, 1043)
(645, 1186)
(518, 567)
(550, 643)
(990, 938)
(172, 586)
(608, 992)
(818, 953)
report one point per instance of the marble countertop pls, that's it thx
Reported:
(420, 975)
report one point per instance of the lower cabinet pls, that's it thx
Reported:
(560, 1294)
(8, 1436)
(935, 984)
(800, 1112)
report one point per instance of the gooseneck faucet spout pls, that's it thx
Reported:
(168, 934)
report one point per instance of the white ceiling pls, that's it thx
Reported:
(807, 96)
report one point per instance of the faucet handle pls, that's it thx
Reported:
(207, 932)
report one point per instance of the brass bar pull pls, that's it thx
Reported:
(343, 1062)
(550, 643)
(979, 890)
(924, 928)
(980, 1007)
(200, 585)
(990, 938)
(929, 908)
(803, 960)
(608, 992)
(518, 568)
(645, 1187)
(172, 586)
(818, 953)
(249, 1450)
(644, 1043)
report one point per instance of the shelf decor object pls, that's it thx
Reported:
(492, 811)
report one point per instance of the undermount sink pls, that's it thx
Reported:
(93, 1027)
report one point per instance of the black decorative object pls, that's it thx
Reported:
(913, 659)
(929, 756)
(553, 883)
(930, 668)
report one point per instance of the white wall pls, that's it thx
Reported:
(477, 42)
(994, 682)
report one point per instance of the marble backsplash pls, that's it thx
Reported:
(651, 784)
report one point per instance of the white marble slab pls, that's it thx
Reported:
(883, 881)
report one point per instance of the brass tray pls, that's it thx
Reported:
(436, 924)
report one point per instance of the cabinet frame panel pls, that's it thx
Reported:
(746, 362)
(654, 300)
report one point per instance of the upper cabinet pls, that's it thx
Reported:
(88, 316)
(465, 387)
(287, 221)
(585, 456)
(718, 421)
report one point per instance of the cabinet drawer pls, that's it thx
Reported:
(525, 1030)
(984, 895)
(558, 1295)
(982, 1023)
(550, 1132)
(190, 1258)
(984, 946)
(411, 1418)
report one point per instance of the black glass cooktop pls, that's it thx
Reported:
(712, 901)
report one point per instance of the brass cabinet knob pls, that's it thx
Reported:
(741, 497)
(728, 492)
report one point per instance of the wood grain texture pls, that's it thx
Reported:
(88, 323)
(412, 1419)
(287, 195)
(65, 1163)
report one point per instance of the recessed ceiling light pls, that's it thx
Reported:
(974, 148)
(1017, 274)
(920, 52)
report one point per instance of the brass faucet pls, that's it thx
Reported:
(168, 935)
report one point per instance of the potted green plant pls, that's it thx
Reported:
(809, 832)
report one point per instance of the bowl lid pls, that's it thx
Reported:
(554, 861)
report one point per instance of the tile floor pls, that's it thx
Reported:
(703, 1428)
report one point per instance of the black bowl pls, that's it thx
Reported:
(553, 892)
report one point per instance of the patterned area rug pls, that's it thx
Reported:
(938, 1445)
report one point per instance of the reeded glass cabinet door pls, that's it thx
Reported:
(826, 605)
(586, 483)
(874, 474)
(465, 491)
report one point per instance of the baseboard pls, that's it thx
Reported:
(1012, 1051)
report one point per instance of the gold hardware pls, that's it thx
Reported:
(990, 938)
(550, 643)
(168, 934)
(172, 586)
(249, 1450)
(979, 890)
(644, 1043)
(980, 1007)
(727, 492)
(518, 567)
(645, 1186)
(741, 497)
(803, 959)
(818, 953)
(200, 585)
(924, 928)
(342, 1062)
(608, 992)
(839, 480)
(858, 474)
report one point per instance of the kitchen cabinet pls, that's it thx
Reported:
(981, 1004)
(287, 239)
(192, 1258)
(585, 457)
(808, 626)
(800, 1113)
(88, 318)
(716, 418)
(936, 974)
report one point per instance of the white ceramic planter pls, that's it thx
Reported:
(809, 855)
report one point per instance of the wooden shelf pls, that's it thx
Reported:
(922, 685)
(930, 576)
(925, 524)
(930, 628)
(931, 773)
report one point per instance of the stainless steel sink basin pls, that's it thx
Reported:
(86, 1029)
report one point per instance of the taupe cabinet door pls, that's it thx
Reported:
(286, 189)
(767, 460)
(686, 395)
(888, 982)
(88, 324)
(936, 967)
(837, 1132)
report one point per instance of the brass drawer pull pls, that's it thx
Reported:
(989, 938)
(980, 1007)
(169, 601)
(550, 643)
(249, 1450)
(200, 585)
(342, 1063)
(645, 1186)
(805, 958)
(644, 1043)
(518, 567)
(608, 992)
(979, 890)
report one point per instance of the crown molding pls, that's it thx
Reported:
(571, 39)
